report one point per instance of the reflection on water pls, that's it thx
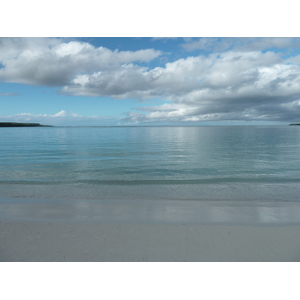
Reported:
(151, 211)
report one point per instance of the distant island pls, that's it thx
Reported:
(295, 124)
(15, 124)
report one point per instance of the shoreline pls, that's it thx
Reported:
(145, 211)
(17, 124)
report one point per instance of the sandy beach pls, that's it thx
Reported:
(39, 230)
(43, 242)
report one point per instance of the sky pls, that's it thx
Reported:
(151, 80)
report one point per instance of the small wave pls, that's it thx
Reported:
(226, 180)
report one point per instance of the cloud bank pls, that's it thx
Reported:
(241, 44)
(61, 118)
(237, 80)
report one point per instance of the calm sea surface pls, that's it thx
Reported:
(253, 163)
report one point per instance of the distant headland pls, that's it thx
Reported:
(295, 124)
(16, 124)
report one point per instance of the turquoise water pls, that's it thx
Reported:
(253, 163)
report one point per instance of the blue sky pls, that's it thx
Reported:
(150, 81)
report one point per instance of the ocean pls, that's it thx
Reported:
(253, 163)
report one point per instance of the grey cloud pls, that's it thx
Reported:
(241, 44)
(114, 83)
(257, 44)
(12, 47)
(164, 38)
(256, 108)
(217, 112)
(209, 44)
(294, 59)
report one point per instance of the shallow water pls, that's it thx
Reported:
(248, 163)
(151, 211)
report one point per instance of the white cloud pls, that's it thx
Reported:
(55, 63)
(8, 94)
(62, 113)
(61, 118)
(229, 85)
(180, 78)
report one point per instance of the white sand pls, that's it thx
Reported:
(31, 241)
(122, 231)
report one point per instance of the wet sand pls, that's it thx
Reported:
(112, 231)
